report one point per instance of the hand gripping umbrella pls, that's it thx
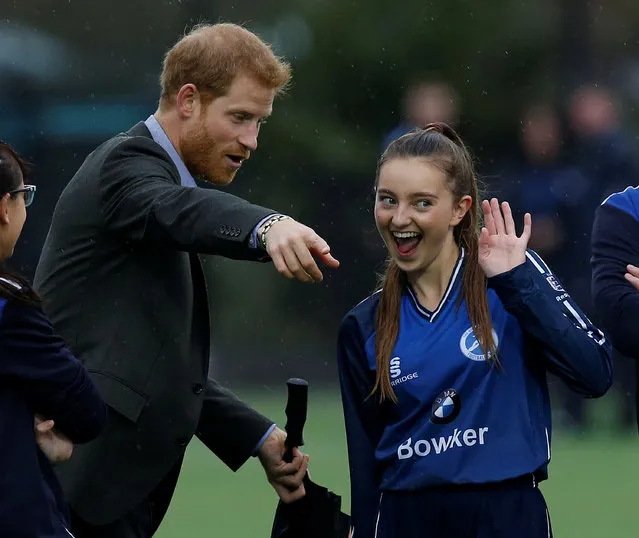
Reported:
(318, 514)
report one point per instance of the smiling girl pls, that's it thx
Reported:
(443, 369)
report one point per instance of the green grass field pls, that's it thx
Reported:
(591, 491)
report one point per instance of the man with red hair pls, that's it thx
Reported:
(121, 277)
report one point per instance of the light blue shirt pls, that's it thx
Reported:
(187, 180)
(160, 137)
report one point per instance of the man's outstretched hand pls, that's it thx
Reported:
(293, 247)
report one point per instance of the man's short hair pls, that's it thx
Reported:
(210, 56)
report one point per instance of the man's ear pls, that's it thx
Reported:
(187, 101)
(4, 209)
(460, 210)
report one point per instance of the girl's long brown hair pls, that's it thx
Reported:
(442, 146)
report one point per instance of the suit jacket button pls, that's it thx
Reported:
(183, 441)
(198, 388)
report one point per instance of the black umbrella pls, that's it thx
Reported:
(318, 514)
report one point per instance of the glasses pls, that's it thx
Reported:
(29, 194)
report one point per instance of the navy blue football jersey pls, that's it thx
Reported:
(615, 244)
(460, 419)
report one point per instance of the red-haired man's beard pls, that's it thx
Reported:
(207, 160)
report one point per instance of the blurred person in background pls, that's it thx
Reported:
(121, 277)
(547, 184)
(443, 370)
(425, 102)
(605, 155)
(541, 181)
(40, 381)
(602, 148)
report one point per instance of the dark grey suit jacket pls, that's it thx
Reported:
(122, 281)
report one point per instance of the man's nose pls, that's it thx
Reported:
(248, 139)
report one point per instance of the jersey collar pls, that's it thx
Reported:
(455, 276)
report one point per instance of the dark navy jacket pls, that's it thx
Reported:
(615, 244)
(38, 374)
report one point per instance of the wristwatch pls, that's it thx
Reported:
(267, 227)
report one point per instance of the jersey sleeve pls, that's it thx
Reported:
(615, 244)
(574, 349)
(363, 427)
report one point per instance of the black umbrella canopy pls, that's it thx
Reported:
(318, 514)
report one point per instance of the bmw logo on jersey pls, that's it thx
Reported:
(446, 407)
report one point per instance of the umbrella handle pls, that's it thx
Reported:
(296, 407)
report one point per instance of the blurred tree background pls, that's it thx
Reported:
(353, 62)
(505, 72)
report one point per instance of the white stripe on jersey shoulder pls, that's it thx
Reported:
(367, 298)
(629, 187)
(540, 264)
(11, 283)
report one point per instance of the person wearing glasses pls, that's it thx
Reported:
(47, 399)
(28, 193)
